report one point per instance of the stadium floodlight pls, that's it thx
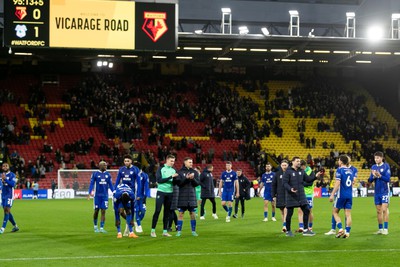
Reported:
(294, 24)
(311, 33)
(99, 63)
(110, 65)
(396, 16)
(10, 50)
(105, 63)
(395, 26)
(265, 31)
(226, 22)
(350, 25)
(198, 31)
(375, 33)
(243, 30)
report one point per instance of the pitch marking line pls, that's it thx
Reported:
(201, 254)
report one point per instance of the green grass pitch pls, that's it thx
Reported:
(60, 233)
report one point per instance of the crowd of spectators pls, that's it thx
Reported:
(30, 171)
(122, 112)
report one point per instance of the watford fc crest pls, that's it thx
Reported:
(155, 25)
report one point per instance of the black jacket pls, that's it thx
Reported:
(207, 184)
(278, 190)
(244, 187)
(187, 193)
(295, 179)
(175, 195)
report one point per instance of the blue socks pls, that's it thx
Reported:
(95, 222)
(229, 211)
(380, 226)
(333, 223)
(266, 214)
(225, 208)
(11, 219)
(273, 214)
(385, 225)
(348, 228)
(301, 225)
(340, 226)
(102, 224)
(193, 225)
(6, 217)
(180, 223)
(128, 221)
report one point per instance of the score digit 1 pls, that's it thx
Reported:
(36, 31)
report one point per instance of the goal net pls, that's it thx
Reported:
(79, 180)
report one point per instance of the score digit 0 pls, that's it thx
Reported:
(36, 14)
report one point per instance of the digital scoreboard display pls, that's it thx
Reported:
(27, 23)
(90, 24)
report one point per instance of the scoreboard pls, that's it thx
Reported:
(27, 23)
(90, 24)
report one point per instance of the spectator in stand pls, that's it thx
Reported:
(42, 171)
(313, 142)
(308, 142)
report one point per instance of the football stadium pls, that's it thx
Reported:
(212, 132)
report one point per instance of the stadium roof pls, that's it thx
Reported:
(242, 50)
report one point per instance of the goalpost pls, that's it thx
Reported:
(79, 180)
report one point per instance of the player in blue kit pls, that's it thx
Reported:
(266, 183)
(140, 205)
(124, 199)
(230, 186)
(344, 198)
(8, 180)
(100, 182)
(129, 175)
(1, 188)
(380, 174)
(355, 173)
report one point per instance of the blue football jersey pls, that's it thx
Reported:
(129, 176)
(346, 177)
(229, 179)
(382, 183)
(123, 188)
(266, 179)
(101, 182)
(144, 190)
(354, 170)
(8, 185)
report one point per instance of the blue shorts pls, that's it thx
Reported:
(183, 209)
(343, 203)
(121, 206)
(227, 196)
(267, 195)
(100, 203)
(381, 199)
(139, 205)
(7, 201)
(310, 201)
